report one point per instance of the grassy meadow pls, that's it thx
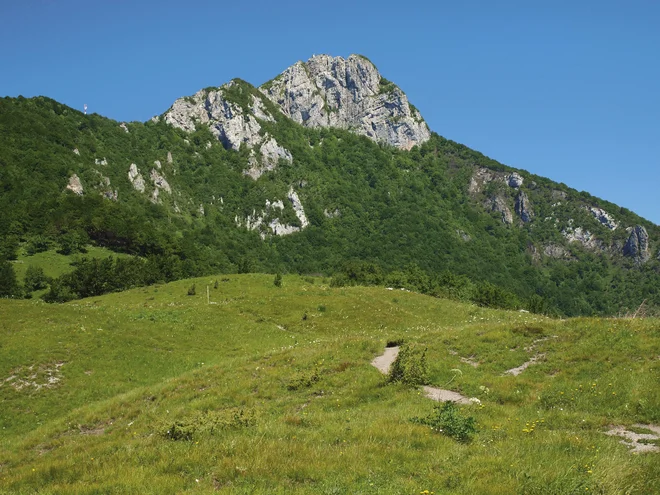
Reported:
(270, 390)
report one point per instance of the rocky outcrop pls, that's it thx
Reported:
(637, 245)
(233, 125)
(350, 94)
(123, 126)
(523, 207)
(257, 221)
(135, 177)
(483, 176)
(75, 185)
(555, 251)
(297, 207)
(514, 180)
(499, 205)
(603, 217)
(480, 178)
(159, 181)
(271, 154)
(583, 236)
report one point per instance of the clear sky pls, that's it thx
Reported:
(569, 90)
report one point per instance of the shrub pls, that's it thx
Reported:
(35, 279)
(304, 380)
(9, 286)
(409, 367)
(277, 282)
(447, 419)
(208, 423)
(191, 290)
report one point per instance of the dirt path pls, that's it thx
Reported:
(524, 366)
(385, 360)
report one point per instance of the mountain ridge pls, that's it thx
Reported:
(226, 181)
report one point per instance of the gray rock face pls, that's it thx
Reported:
(637, 245)
(75, 185)
(257, 221)
(159, 181)
(523, 207)
(555, 251)
(350, 94)
(499, 205)
(136, 178)
(480, 178)
(514, 180)
(271, 154)
(603, 217)
(582, 236)
(231, 124)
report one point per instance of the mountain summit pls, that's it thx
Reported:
(350, 94)
(325, 91)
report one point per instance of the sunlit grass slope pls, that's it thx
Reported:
(270, 390)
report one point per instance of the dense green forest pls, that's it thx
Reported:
(377, 214)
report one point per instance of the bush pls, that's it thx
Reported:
(59, 292)
(37, 244)
(409, 367)
(447, 419)
(208, 423)
(304, 380)
(278, 280)
(9, 286)
(191, 290)
(35, 279)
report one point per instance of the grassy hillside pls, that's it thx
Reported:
(270, 390)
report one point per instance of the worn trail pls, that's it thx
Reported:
(385, 360)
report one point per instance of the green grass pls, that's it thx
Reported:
(137, 363)
(55, 264)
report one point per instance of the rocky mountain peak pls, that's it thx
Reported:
(350, 94)
(325, 91)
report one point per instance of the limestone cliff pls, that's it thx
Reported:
(350, 94)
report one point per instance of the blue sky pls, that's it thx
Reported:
(566, 90)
